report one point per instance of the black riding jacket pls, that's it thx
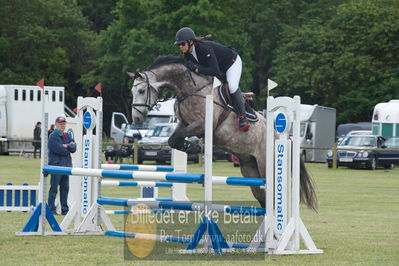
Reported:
(214, 59)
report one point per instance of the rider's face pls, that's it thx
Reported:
(184, 47)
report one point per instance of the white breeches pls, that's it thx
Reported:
(233, 75)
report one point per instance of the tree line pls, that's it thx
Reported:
(337, 53)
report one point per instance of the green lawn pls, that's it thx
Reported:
(356, 224)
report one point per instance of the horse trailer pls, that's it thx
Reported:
(317, 131)
(21, 109)
(385, 119)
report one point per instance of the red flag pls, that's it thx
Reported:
(98, 88)
(40, 83)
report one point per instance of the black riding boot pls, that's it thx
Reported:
(238, 103)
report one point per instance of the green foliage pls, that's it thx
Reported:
(44, 39)
(351, 62)
(265, 21)
(98, 12)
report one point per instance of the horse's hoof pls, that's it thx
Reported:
(171, 143)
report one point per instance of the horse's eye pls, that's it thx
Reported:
(141, 91)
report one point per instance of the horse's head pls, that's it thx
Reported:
(165, 72)
(147, 86)
(145, 92)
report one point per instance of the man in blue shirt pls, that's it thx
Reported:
(60, 147)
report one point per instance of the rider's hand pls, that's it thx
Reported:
(192, 66)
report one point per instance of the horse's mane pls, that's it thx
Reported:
(166, 60)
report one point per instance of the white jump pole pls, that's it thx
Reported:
(43, 162)
(208, 160)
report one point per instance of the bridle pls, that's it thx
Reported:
(147, 103)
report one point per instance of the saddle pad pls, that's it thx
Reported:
(250, 113)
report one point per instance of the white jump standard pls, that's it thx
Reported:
(283, 227)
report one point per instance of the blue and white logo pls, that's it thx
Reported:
(88, 120)
(280, 123)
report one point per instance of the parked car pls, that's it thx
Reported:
(356, 133)
(132, 131)
(359, 132)
(344, 129)
(392, 143)
(156, 145)
(365, 157)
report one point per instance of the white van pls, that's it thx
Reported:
(163, 112)
(385, 119)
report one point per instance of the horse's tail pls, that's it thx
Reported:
(308, 194)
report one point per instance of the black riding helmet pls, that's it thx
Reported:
(184, 34)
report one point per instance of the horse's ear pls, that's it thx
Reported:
(135, 75)
(130, 74)
(138, 75)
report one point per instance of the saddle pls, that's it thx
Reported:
(224, 94)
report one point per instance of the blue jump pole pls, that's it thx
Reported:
(186, 206)
(153, 176)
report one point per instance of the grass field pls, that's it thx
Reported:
(357, 221)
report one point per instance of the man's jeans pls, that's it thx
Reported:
(63, 182)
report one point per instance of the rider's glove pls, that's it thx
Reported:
(192, 66)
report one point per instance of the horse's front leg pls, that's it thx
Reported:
(177, 140)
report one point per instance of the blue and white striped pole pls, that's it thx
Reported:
(155, 168)
(169, 238)
(145, 192)
(111, 183)
(141, 212)
(160, 204)
(153, 176)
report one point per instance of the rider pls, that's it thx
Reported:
(214, 59)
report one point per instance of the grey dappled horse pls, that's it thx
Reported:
(190, 88)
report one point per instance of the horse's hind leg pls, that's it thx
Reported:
(249, 168)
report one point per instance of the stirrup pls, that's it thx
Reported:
(244, 127)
